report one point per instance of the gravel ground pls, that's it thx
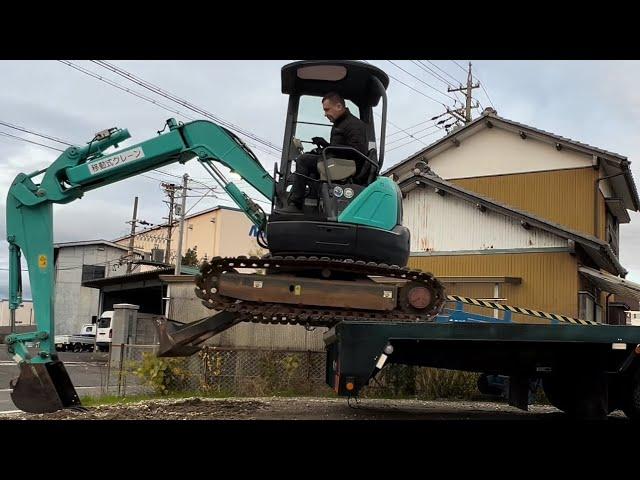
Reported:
(301, 408)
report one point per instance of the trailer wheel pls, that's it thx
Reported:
(632, 405)
(617, 391)
(77, 347)
(556, 393)
(580, 394)
(485, 388)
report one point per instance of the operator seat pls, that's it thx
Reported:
(341, 169)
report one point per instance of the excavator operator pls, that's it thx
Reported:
(348, 130)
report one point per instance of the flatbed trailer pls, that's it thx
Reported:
(586, 370)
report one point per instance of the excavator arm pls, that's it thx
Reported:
(43, 384)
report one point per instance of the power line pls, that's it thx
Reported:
(435, 75)
(408, 128)
(22, 129)
(397, 126)
(124, 89)
(411, 141)
(30, 141)
(484, 90)
(460, 66)
(193, 206)
(420, 80)
(440, 77)
(412, 88)
(414, 133)
(401, 129)
(159, 91)
(487, 94)
(415, 90)
(142, 96)
(444, 71)
(70, 144)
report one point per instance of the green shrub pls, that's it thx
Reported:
(164, 375)
(405, 381)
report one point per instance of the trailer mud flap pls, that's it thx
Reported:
(519, 392)
(43, 388)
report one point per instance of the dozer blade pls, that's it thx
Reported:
(183, 340)
(43, 388)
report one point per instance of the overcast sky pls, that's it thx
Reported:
(595, 102)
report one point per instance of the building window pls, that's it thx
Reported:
(92, 272)
(612, 232)
(586, 306)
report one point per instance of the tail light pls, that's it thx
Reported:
(110, 333)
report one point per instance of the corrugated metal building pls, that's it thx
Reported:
(518, 203)
(78, 262)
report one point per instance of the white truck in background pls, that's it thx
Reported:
(105, 331)
(82, 342)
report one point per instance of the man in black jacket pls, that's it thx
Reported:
(347, 131)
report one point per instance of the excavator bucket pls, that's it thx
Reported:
(183, 340)
(43, 388)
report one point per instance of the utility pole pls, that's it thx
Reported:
(134, 220)
(170, 190)
(185, 179)
(467, 90)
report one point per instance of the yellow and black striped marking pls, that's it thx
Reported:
(525, 311)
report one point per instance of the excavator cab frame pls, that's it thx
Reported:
(359, 214)
(358, 83)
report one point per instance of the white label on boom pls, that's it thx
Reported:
(106, 163)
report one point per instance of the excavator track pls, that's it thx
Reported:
(312, 316)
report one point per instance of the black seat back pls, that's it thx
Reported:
(367, 173)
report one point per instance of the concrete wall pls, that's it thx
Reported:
(74, 304)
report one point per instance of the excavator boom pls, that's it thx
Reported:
(43, 384)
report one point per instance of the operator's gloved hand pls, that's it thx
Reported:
(321, 142)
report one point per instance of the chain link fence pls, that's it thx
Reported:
(134, 369)
(220, 371)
